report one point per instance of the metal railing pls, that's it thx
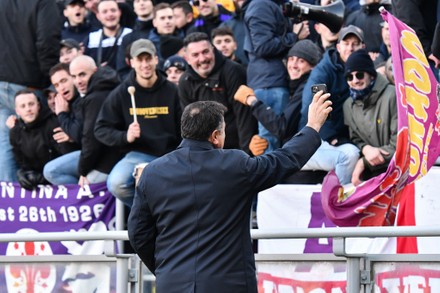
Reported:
(133, 273)
(340, 234)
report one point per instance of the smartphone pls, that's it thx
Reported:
(319, 87)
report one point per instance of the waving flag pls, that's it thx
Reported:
(374, 202)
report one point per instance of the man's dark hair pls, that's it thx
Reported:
(25, 92)
(186, 7)
(194, 38)
(59, 67)
(160, 6)
(201, 118)
(222, 31)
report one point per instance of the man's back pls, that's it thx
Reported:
(29, 40)
(198, 200)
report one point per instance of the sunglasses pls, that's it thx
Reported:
(197, 2)
(359, 76)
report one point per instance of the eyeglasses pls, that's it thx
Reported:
(197, 2)
(359, 76)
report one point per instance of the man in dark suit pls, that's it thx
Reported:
(190, 219)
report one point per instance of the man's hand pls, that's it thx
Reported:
(357, 172)
(319, 110)
(61, 105)
(83, 181)
(60, 136)
(258, 145)
(244, 94)
(374, 155)
(10, 122)
(302, 30)
(134, 131)
(435, 60)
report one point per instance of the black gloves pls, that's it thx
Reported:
(30, 179)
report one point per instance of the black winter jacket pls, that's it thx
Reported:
(284, 125)
(94, 154)
(33, 144)
(29, 41)
(421, 16)
(221, 85)
(78, 33)
(72, 122)
(158, 114)
(368, 19)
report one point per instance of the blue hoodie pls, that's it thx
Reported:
(330, 70)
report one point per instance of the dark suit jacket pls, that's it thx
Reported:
(190, 219)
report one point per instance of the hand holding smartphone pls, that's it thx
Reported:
(320, 87)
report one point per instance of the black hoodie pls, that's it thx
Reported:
(95, 155)
(158, 113)
(33, 144)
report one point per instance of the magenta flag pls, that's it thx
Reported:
(374, 202)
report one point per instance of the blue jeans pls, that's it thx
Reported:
(120, 181)
(277, 98)
(64, 170)
(340, 158)
(8, 166)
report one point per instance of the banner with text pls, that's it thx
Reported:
(52, 208)
(56, 209)
(374, 202)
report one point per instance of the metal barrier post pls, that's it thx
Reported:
(353, 275)
(122, 269)
(353, 265)
(120, 213)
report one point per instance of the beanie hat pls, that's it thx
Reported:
(170, 45)
(306, 50)
(360, 61)
(175, 61)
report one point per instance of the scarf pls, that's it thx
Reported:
(361, 94)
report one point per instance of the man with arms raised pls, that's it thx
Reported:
(190, 218)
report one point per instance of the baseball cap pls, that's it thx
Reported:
(142, 46)
(70, 43)
(351, 30)
(69, 2)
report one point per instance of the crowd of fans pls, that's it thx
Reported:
(68, 116)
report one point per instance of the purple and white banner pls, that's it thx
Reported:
(54, 209)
